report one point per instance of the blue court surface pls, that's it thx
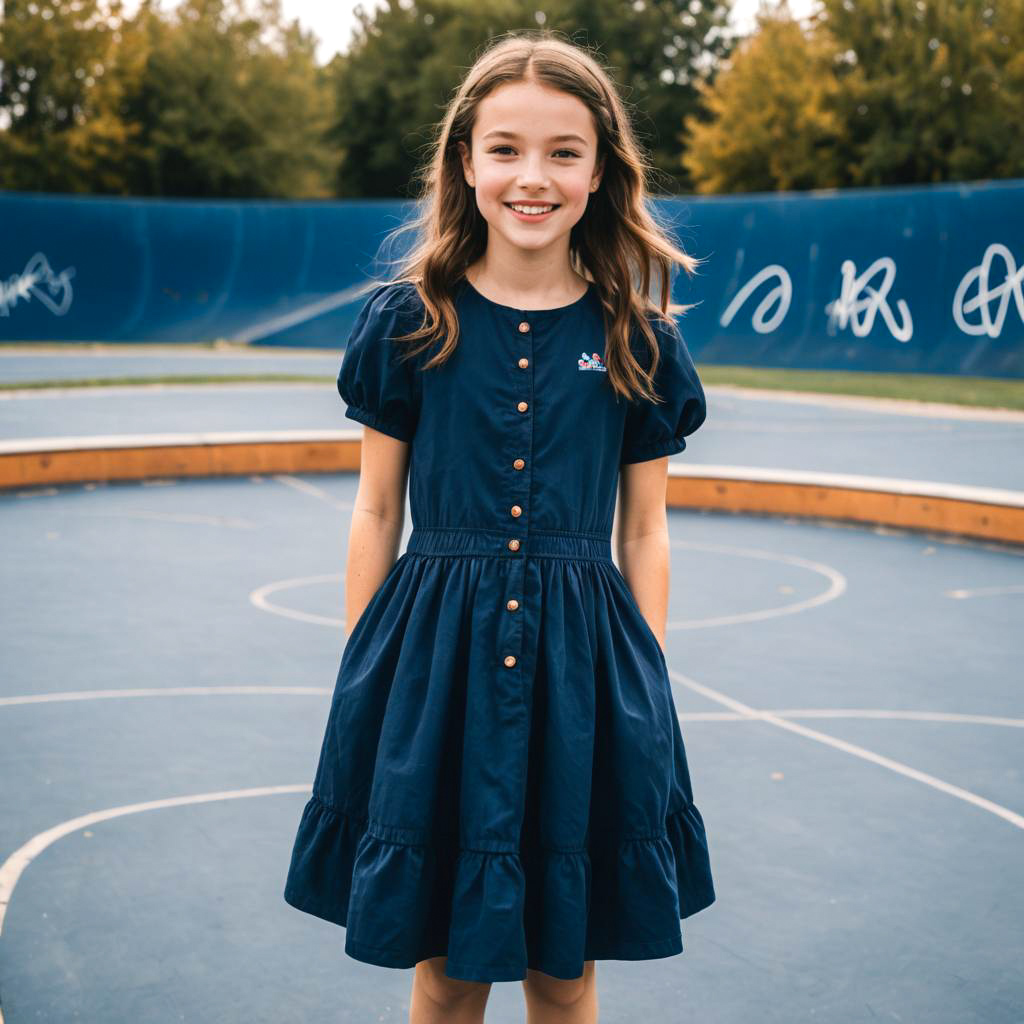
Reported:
(850, 699)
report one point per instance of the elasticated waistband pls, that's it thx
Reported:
(534, 544)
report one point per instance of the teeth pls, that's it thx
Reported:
(530, 209)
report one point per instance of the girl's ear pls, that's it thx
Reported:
(467, 162)
(595, 181)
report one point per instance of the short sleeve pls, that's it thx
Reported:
(378, 387)
(653, 430)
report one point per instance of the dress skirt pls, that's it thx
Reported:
(505, 786)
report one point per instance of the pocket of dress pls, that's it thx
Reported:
(644, 625)
(366, 612)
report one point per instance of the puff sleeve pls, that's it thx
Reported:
(653, 430)
(379, 389)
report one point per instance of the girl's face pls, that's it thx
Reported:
(533, 145)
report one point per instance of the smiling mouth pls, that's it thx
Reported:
(540, 211)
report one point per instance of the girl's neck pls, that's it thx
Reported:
(525, 289)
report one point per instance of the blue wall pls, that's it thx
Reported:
(921, 279)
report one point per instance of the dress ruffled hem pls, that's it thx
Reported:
(404, 897)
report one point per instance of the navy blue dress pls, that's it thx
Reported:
(503, 778)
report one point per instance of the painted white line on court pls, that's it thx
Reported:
(12, 868)
(305, 487)
(191, 518)
(1011, 588)
(950, 717)
(836, 585)
(953, 718)
(259, 598)
(850, 748)
(169, 691)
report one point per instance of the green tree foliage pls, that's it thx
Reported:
(871, 92)
(768, 121)
(930, 91)
(211, 100)
(56, 93)
(658, 51)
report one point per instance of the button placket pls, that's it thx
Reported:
(512, 634)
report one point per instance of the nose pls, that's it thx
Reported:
(532, 174)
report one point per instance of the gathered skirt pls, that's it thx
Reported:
(532, 815)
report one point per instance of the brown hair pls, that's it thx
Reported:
(617, 243)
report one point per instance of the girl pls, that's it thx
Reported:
(502, 791)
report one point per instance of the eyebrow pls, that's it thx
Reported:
(554, 138)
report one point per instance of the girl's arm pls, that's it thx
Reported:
(641, 539)
(377, 520)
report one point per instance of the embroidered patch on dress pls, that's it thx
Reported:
(591, 362)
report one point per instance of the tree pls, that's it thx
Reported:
(930, 91)
(870, 92)
(657, 51)
(228, 104)
(56, 92)
(769, 121)
(212, 100)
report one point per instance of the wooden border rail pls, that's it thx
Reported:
(979, 512)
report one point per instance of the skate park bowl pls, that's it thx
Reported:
(843, 638)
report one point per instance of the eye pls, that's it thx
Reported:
(498, 149)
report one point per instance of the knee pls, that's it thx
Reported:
(448, 992)
(557, 991)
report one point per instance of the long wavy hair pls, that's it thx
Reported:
(617, 243)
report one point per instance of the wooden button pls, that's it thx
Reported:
(516, 510)
(523, 406)
(512, 605)
(519, 464)
(513, 544)
(510, 660)
(524, 327)
(524, 363)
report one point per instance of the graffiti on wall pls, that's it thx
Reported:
(38, 281)
(862, 298)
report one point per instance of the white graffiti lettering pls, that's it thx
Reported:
(849, 306)
(38, 282)
(782, 293)
(1011, 285)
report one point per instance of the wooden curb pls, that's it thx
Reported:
(983, 513)
(977, 512)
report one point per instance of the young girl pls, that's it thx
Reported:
(502, 791)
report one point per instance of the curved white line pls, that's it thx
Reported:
(259, 598)
(850, 748)
(954, 718)
(836, 587)
(12, 868)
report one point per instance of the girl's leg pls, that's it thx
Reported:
(554, 1001)
(438, 999)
